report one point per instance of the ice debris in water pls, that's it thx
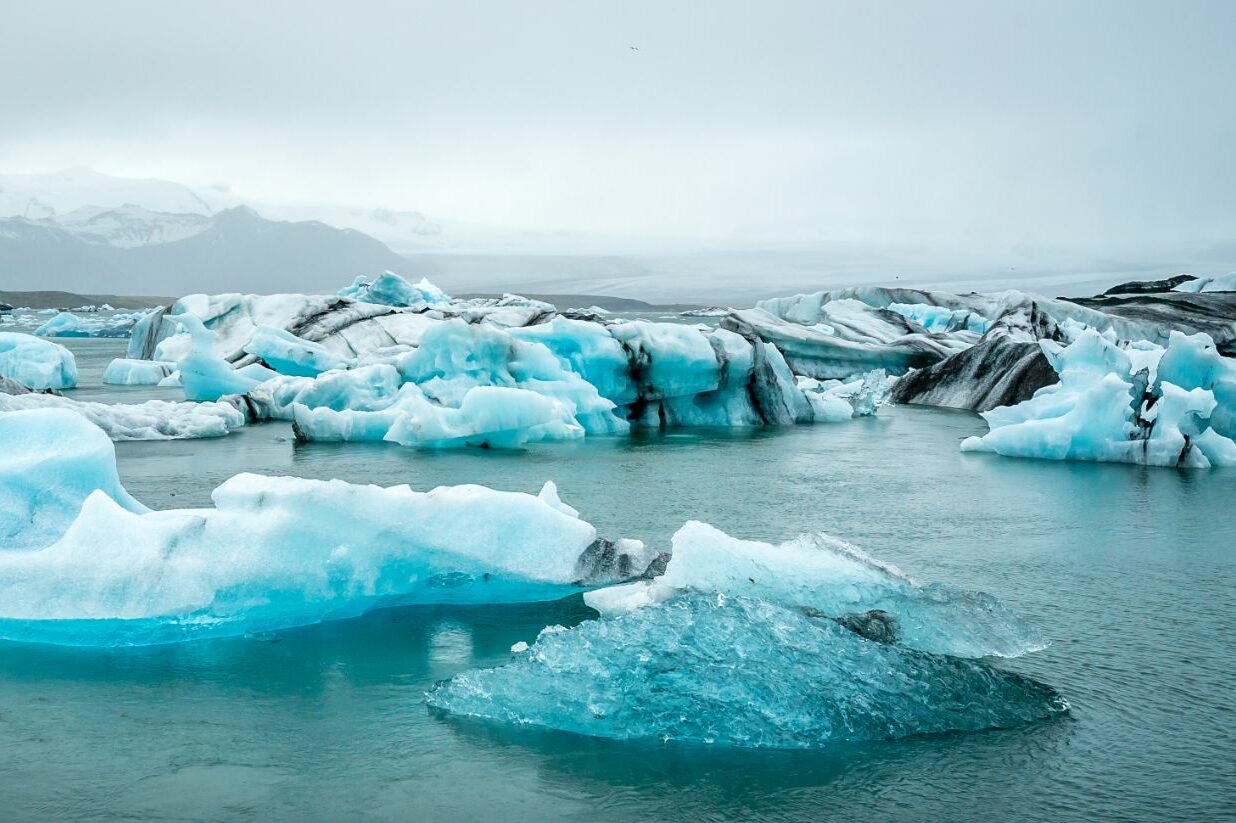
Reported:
(152, 420)
(82, 563)
(67, 324)
(1131, 403)
(739, 671)
(828, 577)
(36, 363)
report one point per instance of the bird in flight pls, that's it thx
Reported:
(633, 48)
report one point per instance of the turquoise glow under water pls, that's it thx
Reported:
(1129, 571)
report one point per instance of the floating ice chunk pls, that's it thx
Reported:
(1139, 404)
(36, 363)
(488, 416)
(740, 671)
(834, 401)
(67, 324)
(125, 372)
(152, 420)
(311, 550)
(288, 354)
(50, 460)
(833, 578)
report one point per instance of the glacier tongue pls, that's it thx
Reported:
(739, 671)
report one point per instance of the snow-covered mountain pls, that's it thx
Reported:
(53, 196)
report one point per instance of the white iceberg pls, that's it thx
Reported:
(831, 578)
(1134, 404)
(51, 460)
(81, 563)
(127, 372)
(152, 420)
(36, 363)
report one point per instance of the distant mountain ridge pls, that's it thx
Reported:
(232, 250)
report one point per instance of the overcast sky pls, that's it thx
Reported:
(994, 126)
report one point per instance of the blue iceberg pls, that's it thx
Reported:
(67, 324)
(740, 671)
(35, 363)
(82, 563)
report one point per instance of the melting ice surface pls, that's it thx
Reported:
(740, 671)
(82, 563)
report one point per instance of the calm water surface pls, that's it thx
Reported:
(1130, 571)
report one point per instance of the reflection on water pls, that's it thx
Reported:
(1130, 571)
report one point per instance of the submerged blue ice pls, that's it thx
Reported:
(740, 671)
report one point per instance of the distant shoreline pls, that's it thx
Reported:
(72, 300)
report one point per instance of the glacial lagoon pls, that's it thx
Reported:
(1127, 570)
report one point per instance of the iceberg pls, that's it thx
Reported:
(152, 420)
(848, 338)
(739, 671)
(389, 289)
(1005, 367)
(36, 363)
(126, 372)
(51, 460)
(82, 563)
(832, 578)
(67, 324)
(1137, 403)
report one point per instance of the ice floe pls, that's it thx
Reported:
(82, 563)
(127, 372)
(67, 324)
(36, 363)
